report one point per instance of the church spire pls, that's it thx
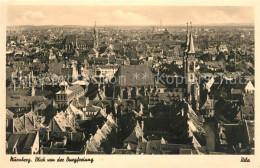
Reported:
(95, 36)
(95, 28)
(187, 38)
(191, 44)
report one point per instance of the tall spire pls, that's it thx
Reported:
(95, 31)
(95, 36)
(191, 44)
(187, 38)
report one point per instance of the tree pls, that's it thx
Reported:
(49, 113)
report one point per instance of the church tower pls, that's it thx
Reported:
(186, 44)
(190, 63)
(95, 37)
(189, 66)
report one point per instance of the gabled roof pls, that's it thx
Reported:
(29, 142)
(74, 110)
(62, 122)
(135, 135)
(25, 123)
(23, 142)
(9, 114)
(101, 134)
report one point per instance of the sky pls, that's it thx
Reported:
(128, 15)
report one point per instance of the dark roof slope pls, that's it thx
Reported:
(135, 75)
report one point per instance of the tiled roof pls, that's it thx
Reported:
(67, 71)
(135, 135)
(70, 39)
(55, 67)
(22, 101)
(89, 41)
(74, 110)
(135, 75)
(75, 88)
(29, 142)
(27, 122)
(94, 142)
(72, 89)
(248, 110)
(12, 140)
(249, 99)
(18, 101)
(153, 147)
(9, 114)
(62, 122)
(22, 142)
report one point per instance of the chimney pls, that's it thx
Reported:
(65, 141)
(13, 124)
(129, 92)
(14, 85)
(74, 122)
(141, 109)
(104, 88)
(182, 112)
(71, 136)
(15, 150)
(113, 150)
(33, 91)
(48, 135)
(24, 121)
(98, 87)
(86, 151)
(34, 123)
(41, 150)
(87, 101)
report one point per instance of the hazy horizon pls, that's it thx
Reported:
(21, 15)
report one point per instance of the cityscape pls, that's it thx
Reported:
(184, 89)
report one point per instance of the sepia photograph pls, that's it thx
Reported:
(91, 80)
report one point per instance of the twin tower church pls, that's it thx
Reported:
(189, 88)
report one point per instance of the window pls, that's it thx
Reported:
(191, 66)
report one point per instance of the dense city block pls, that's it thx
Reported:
(130, 89)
